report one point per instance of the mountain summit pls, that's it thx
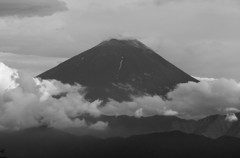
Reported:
(129, 42)
(118, 69)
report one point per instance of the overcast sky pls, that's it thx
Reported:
(201, 37)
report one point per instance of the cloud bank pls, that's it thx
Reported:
(189, 101)
(30, 8)
(27, 102)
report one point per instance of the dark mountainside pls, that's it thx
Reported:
(216, 126)
(52, 143)
(117, 69)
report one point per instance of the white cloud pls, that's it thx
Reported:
(189, 100)
(170, 113)
(232, 110)
(196, 100)
(140, 106)
(139, 113)
(27, 102)
(231, 118)
(7, 78)
(99, 125)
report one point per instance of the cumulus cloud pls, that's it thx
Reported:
(139, 113)
(30, 8)
(29, 102)
(196, 100)
(99, 125)
(189, 100)
(231, 118)
(7, 78)
(140, 106)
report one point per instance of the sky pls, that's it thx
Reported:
(201, 37)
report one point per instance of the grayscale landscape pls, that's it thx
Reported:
(130, 78)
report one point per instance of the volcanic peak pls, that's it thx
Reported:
(119, 62)
(124, 42)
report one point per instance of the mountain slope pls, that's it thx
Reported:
(217, 125)
(117, 69)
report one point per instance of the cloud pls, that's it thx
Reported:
(7, 78)
(29, 102)
(189, 101)
(99, 125)
(204, 78)
(139, 107)
(197, 100)
(170, 113)
(139, 113)
(30, 8)
(231, 118)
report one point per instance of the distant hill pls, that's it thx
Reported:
(117, 69)
(51, 143)
(217, 125)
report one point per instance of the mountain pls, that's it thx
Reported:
(118, 69)
(218, 125)
(52, 143)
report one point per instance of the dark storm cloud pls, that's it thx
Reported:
(30, 8)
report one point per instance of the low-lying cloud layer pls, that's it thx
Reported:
(30, 8)
(189, 100)
(30, 102)
(27, 102)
